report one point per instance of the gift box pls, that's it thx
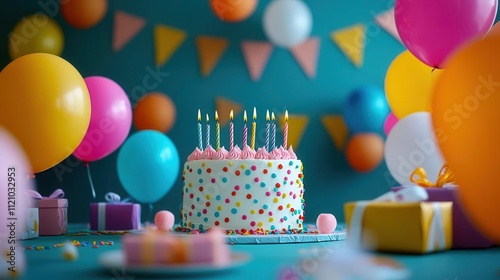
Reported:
(32, 224)
(465, 235)
(114, 214)
(52, 213)
(400, 227)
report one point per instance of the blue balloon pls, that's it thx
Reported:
(366, 109)
(148, 165)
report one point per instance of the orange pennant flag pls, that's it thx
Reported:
(224, 107)
(210, 51)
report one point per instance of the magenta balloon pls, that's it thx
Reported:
(110, 119)
(433, 29)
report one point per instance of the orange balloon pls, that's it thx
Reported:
(466, 114)
(155, 111)
(365, 151)
(494, 31)
(84, 14)
(233, 10)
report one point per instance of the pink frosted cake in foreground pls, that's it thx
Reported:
(159, 248)
(243, 191)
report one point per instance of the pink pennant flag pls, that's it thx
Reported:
(387, 22)
(256, 55)
(306, 55)
(126, 27)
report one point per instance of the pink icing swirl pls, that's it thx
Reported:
(195, 155)
(208, 153)
(291, 153)
(220, 154)
(235, 153)
(261, 154)
(247, 153)
(275, 154)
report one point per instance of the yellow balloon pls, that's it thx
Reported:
(45, 104)
(408, 85)
(466, 115)
(36, 33)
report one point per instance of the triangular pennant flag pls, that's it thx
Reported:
(125, 27)
(256, 55)
(351, 41)
(210, 50)
(224, 107)
(297, 125)
(306, 55)
(337, 129)
(387, 22)
(167, 41)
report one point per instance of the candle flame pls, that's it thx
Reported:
(267, 115)
(286, 115)
(272, 117)
(231, 115)
(245, 116)
(208, 119)
(216, 116)
(199, 115)
(254, 113)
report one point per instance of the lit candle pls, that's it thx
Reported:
(273, 132)
(267, 130)
(231, 131)
(217, 131)
(200, 140)
(254, 127)
(208, 132)
(244, 129)
(285, 131)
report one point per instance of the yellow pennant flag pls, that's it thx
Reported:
(337, 129)
(297, 125)
(167, 41)
(351, 41)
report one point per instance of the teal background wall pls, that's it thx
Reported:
(329, 181)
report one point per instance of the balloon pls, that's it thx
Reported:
(365, 151)
(155, 111)
(389, 123)
(408, 85)
(148, 165)
(495, 30)
(233, 10)
(287, 23)
(14, 184)
(36, 33)
(466, 111)
(110, 120)
(84, 14)
(45, 104)
(447, 24)
(365, 109)
(411, 144)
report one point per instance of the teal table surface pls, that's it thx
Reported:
(267, 261)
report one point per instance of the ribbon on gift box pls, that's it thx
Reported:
(437, 237)
(112, 198)
(445, 176)
(56, 194)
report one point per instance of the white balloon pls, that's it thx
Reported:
(287, 23)
(410, 144)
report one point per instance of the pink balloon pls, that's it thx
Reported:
(15, 169)
(433, 29)
(389, 122)
(110, 119)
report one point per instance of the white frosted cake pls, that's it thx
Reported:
(243, 191)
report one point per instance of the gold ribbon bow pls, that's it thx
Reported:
(419, 177)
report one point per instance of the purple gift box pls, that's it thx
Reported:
(465, 235)
(114, 214)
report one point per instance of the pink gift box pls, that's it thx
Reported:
(53, 216)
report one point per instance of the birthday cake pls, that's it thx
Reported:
(243, 191)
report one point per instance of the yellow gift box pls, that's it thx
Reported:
(400, 227)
